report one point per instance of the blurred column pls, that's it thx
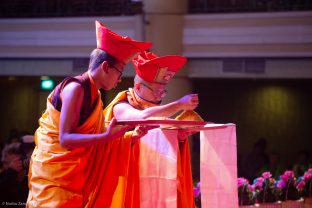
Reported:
(163, 21)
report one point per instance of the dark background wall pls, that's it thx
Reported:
(19, 104)
(277, 110)
(23, 102)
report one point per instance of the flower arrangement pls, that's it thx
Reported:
(245, 192)
(287, 186)
(304, 184)
(264, 188)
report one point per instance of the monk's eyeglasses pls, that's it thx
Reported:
(156, 93)
(120, 72)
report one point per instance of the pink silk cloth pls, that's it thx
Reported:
(218, 166)
(158, 169)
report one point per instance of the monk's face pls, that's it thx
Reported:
(152, 91)
(115, 75)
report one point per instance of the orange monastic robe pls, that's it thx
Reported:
(84, 177)
(185, 186)
(185, 198)
(132, 198)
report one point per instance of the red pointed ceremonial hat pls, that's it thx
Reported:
(152, 68)
(122, 48)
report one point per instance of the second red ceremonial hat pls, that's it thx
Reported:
(122, 48)
(152, 68)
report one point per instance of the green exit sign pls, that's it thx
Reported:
(47, 84)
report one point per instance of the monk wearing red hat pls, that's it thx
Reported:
(143, 101)
(79, 161)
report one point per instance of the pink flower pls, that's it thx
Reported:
(301, 185)
(310, 170)
(258, 183)
(266, 175)
(250, 188)
(242, 182)
(289, 174)
(196, 191)
(281, 184)
(307, 176)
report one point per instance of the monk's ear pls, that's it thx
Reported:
(104, 66)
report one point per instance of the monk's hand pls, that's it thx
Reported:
(116, 131)
(189, 102)
(141, 131)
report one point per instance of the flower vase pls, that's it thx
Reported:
(307, 202)
(270, 205)
(292, 204)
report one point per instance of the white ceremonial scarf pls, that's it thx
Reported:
(218, 166)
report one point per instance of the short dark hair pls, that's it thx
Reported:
(98, 56)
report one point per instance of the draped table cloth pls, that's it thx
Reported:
(218, 167)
